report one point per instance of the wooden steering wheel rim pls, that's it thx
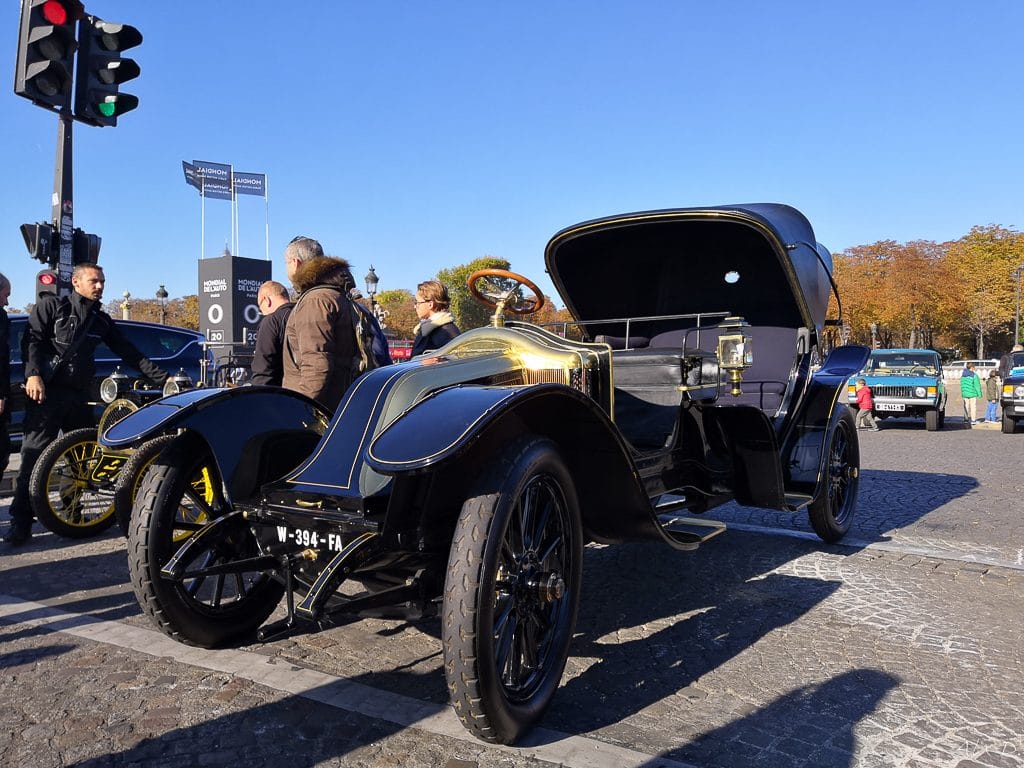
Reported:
(538, 297)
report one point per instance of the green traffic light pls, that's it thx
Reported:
(107, 108)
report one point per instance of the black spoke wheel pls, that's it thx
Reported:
(180, 494)
(512, 591)
(129, 481)
(71, 487)
(831, 513)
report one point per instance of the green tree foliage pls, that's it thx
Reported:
(469, 313)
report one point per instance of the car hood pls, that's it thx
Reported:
(675, 261)
(895, 381)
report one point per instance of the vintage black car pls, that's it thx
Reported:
(468, 481)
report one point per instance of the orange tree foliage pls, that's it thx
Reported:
(401, 318)
(898, 287)
(984, 300)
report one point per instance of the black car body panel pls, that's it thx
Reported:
(171, 348)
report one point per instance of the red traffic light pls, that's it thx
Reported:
(47, 278)
(55, 12)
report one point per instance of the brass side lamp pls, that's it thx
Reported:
(735, 352)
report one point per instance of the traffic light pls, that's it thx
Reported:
(40, 243)
(85, 248)
(46, 51)
(46, 282)
(102, 70)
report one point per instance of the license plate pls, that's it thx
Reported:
(307, 538)
(108, 467)
(890, 407)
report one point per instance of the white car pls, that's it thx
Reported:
(956, 368)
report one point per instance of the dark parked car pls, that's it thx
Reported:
(468, 481)
(169, 347)
(1012, 400)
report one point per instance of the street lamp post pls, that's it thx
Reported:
(126, 307)
(161, 296)
(372, 280)
(1016, 318)
(874, 335)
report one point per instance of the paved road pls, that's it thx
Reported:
(762, 648)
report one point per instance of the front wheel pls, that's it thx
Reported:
(932, 420)
(512, 591)
(71, 487)
(1009, 424)
(831, 513)
(130, 480)
(181, 494)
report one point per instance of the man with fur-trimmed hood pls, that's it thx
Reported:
(321, 357)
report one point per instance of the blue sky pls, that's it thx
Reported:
(415, 136)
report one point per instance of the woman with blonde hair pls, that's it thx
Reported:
(437, 325)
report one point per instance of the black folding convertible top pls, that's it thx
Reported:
(677, 261)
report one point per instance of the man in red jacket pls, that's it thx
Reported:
(866, 404)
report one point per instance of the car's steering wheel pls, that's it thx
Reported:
(500, 291)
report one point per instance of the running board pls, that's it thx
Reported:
(689, 532)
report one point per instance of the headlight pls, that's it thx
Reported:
(112, 386)
(920, 392)
(179, 382)
(1019, 391)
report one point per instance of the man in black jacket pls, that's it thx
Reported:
(5, 374)
(275, 306)
(59, 352)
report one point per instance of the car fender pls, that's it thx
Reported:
(803, 452)
(468, 422)
(249, 430)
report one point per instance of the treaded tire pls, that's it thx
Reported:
(1009, 425)
(129, 481)
(207, 612)
(932, 420)
(515, 566)
(831, 513)
(63, 494)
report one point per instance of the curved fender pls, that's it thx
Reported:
(803, 452)
(444, 426)
(233, 422)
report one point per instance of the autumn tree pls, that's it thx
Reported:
(982, 263)
(897, 287)
(401, 318)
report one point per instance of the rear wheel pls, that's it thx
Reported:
(181, 494)
(71, 487)
(512, 591)
(831, 513)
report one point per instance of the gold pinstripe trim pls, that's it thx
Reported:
(466, 431)
(337, 420)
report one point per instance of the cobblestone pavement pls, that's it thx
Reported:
(763, 648)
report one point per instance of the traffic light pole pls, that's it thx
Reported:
(63, 203)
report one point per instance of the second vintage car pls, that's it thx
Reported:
(465, 483)
(904, 382)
